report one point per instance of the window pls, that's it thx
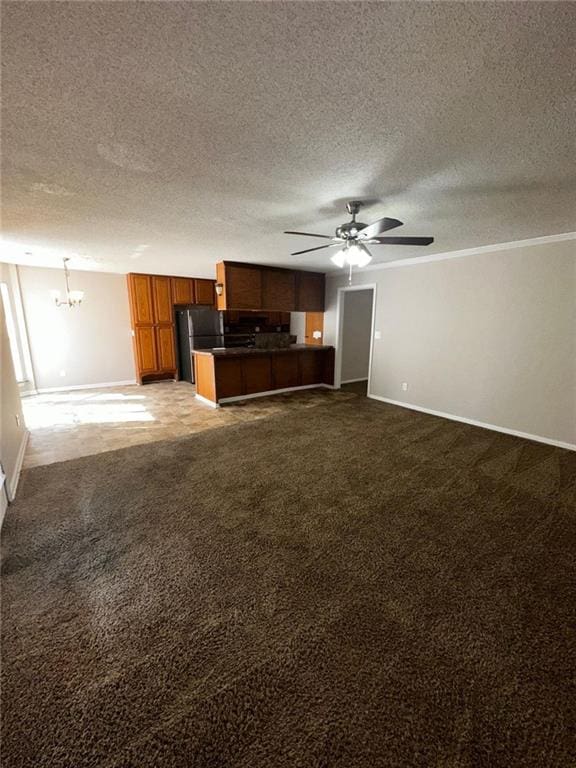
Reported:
(12, 333)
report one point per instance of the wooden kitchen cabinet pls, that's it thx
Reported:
(279, 289)
(166, 360)
(237, 373)
(152, 302)
(141, 301)
(311, 286)
(145, 350)
(257, 374)
(183, 290)
(162, 293)
(205, 291)
(229, 378)
(243, 287)
(311, 368)
(256, 287)
(285, 371)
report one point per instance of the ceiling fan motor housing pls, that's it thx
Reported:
(349, 230)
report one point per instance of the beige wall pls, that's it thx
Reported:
(12, 429)
(356, 332)
(89, 344)
(489, 337)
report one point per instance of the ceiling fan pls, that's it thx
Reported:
(353, 236)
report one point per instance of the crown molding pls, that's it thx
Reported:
(466, 252)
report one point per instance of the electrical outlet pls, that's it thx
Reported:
(404, 386)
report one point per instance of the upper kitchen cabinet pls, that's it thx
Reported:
(241, 285)
(141, 300)
(162, 292)
(183, 291)
(205, 291)
(279, 289)
(310, 296)
(250, 286)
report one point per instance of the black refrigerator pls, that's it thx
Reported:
(197, 328)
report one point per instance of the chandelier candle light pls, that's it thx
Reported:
(72, 298)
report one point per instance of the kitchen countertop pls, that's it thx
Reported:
(242, 351)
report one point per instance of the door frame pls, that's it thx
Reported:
(339, 327)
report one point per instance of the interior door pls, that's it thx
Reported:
(314, 326)
(162, 292)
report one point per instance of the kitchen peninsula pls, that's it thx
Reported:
(226, 375)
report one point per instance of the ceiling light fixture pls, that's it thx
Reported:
(353, 254)
(73, 298)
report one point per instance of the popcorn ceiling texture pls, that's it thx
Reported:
(204, 129)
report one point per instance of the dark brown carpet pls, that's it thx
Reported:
(354, 585)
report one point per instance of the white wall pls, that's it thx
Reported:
(86, 345)
(489, 337)
(356, 332)
(12, 429)
(298, 326)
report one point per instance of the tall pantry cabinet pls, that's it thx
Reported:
(152, 326)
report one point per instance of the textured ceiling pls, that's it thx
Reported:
(163, 137)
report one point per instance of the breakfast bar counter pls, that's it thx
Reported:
(226, 375)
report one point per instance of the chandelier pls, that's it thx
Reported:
(72, 298)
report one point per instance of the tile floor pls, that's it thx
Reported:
(66, 425)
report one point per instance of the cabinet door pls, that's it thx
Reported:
(257, 374)
(310, 292)
(285, 370)
(243, 287)
(182, 290)
(162, 292)
(279, 289)
(228, 376)
(311, 367)
(205, 291)
(145, 343)
(140, 288)
(165, 348)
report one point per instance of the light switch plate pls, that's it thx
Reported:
(377, 335)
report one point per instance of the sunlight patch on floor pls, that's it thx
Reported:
(66, 410)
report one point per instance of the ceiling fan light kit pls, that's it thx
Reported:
(353, 235)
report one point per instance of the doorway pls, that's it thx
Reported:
(355, 333)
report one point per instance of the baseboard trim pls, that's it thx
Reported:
(474, 423)
(354, 381)
(205, 400)
(273, 392)
(102, 385)
(3, 499)
(12, 482)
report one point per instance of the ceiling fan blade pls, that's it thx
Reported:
(403, 240)
(318, 248)
(382, 225)
(308, 234)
